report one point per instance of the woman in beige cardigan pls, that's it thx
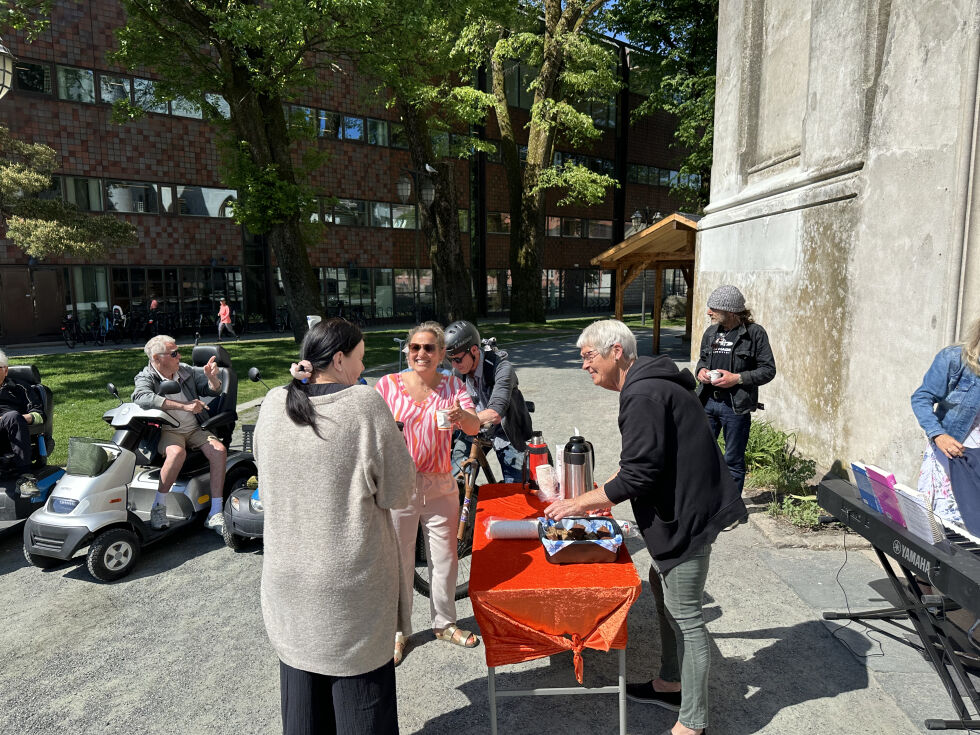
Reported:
(332, 464)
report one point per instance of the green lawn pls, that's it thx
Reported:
(78, 379)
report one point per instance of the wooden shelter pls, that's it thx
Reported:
(667, 243)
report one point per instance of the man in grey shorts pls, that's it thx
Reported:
(185, 407)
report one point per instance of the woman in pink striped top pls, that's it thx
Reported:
(414, 397)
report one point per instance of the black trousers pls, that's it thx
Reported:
(316, 704)
(14, 430)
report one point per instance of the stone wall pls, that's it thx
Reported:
(843, 205)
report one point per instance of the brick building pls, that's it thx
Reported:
(161, 173)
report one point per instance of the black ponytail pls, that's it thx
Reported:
(319, 346)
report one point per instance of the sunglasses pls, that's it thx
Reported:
(429, 348)
(172, 354)
(458, 359)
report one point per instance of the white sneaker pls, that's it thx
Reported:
(158, 517)
(216, 523)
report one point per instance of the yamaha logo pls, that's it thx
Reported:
(904, 553)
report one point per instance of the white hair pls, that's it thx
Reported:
(602, 335)
(3, 359)
(157, 344)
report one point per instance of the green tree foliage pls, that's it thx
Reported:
(573, 68)
(49, 226)
(258, 56)
(681, 37)
(411, 54)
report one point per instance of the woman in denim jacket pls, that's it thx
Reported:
(947, 407)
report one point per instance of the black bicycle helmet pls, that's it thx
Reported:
(460, 336)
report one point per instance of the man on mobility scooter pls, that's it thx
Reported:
(26, 408)
(185, 406)
(19, 410)
(105, 498)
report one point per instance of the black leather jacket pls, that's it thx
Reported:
(751, 358)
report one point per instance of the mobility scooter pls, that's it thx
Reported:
(104, 500)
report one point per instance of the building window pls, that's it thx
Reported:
(403, 216)
(76, 85)
(220, 104)
(144, 93)
(600, 229)
(86, 194)
(380, 214)
(440, 144)
(498, 223)
(350, 213)
(329, 126)
(553, 226)
(32, 77)
(353, 128)
(167, 199)
(377, 132)
(131, 196)
(205, 201)
(113, 89)
(398, 138)
(571, 227)
(183, 107)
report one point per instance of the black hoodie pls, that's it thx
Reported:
(670, 468)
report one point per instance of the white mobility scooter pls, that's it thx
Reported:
(104, 499)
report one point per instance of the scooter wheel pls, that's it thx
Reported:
(41, 562)
(113, 554)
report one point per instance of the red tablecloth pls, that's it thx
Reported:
(528, 608)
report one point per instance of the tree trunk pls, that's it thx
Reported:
(261, 122)
(440, 224)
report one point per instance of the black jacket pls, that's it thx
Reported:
(670, 468)
(751, 358)
(503, 396)
(15, 397)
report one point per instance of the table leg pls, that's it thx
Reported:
(492, 687)
(622, 691)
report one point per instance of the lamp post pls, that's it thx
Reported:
(6, 70)
(425, 190)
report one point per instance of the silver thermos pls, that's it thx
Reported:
(577, 463)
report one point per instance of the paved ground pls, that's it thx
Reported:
(179, 646)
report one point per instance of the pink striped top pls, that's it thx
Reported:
(429, 447)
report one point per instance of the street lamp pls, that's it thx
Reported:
(421, 181)
(6, 70)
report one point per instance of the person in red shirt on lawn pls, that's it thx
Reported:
(224, 320)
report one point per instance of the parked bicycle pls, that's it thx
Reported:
(283, 322)
(71, 332)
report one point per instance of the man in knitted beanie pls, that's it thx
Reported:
(735, 360)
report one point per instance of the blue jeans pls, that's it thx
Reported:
(722, 418)
(511, 460)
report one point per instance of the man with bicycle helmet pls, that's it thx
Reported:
(492, 383)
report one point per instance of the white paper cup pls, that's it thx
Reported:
(312, 320)
(442, 419)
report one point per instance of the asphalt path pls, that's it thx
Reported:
(179, 645)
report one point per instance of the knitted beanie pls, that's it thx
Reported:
(727, 298)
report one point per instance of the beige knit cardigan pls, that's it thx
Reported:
(330, 567)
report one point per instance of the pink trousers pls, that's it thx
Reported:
(434, 504)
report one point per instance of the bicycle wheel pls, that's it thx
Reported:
(69, 336)
(464, 551)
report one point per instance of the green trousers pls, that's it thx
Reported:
(686, 655)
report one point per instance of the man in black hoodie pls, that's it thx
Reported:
(673, 474)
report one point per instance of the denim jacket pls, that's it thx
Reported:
(948, 400)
